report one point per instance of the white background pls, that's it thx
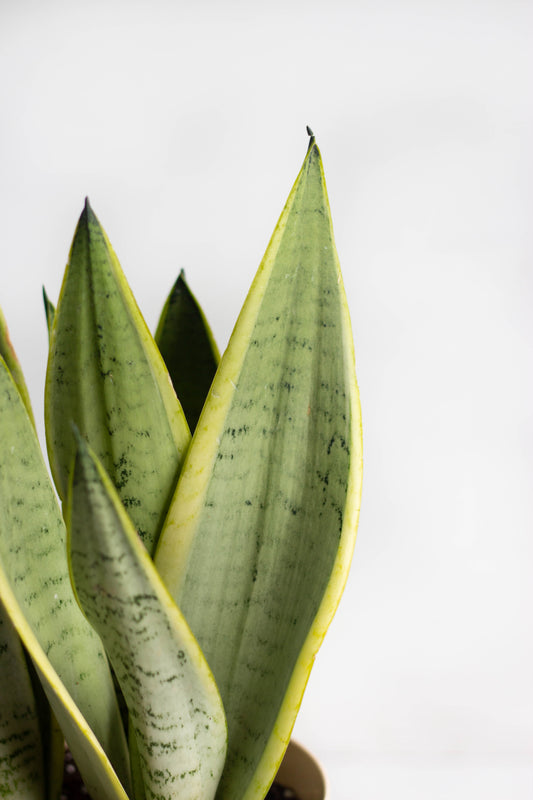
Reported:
(185, 125)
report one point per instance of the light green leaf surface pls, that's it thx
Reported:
(37, 593)
(7, 352)
(21, 753)
(52, 738)
(106, 375)
(260, 533)
(175, 709)
(96, 770)
(188, 348)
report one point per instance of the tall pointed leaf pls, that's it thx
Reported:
(49, 311)
(52, 739)
(260, 533)
(106, 374)
(21, 753)
(188, 349)
(175, 709)
(35, 585)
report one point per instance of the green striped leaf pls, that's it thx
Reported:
(188, 348)
(106, 375)
(7, 352)
(93, 763)
(174, 706)
(36, 590)
(21, 753)
(261, 530)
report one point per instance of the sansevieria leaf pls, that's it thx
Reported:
(37, 594)
(260, 533)
(7, 352)
(21, 752)
(107, 376)
(175, 710)
(188, 349)
(49, 311)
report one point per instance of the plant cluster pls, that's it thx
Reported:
(164, 615)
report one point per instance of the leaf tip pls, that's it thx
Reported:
(311, 135)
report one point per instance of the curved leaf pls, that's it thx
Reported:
(175, 709)
(186, 343)
(93, 763)
(106, 375)
(21, 753)
(7, 352)
(37, 593)
(261, 530)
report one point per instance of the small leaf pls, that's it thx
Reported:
(175, 710)
(49, 310)
(7, 352)
(106, 375)
(188, 349)
(35, 585)
(260, 533)
(21, 755)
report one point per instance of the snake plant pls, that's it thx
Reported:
(162, 606)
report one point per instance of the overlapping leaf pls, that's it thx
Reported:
(260, 533)
(188, 349)
(106, 375)
(175, 711)
(21, 751)
(36, 591)
(7, 352)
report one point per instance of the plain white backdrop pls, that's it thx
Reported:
(184, 123)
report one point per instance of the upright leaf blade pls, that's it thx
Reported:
(188, 349)
(260, 533)
(92, 761)
(21, 754)
(35, 585)
(106, 374)
(7, 352)
(175, 710)
(49, 311)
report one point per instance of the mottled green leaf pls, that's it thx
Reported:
(7, 352)
(261, 530)
(186, 343)
(106, 375)
(175, 709)
(98, 774)
(36, 590)
(21, 752)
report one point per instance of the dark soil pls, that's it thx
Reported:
(73, 788)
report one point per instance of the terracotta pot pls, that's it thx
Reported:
(301, 772)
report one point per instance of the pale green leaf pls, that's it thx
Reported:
(21, 752)
(52, 737)
(106, 375)
(174, 706)
(35, 584)
(261, 530)
(7, 352)
(188, 348)
(96, 770)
